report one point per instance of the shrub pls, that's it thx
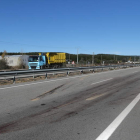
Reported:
(3, 64)
(21, 65)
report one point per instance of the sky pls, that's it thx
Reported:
(86, 26)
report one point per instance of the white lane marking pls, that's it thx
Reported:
(65, 78)
(101, 81)
(95, 97)
(134, 71)
(113, 126)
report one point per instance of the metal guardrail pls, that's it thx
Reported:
(28, 73)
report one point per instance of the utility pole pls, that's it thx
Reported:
(93, 59)
(69, 56)
(101, 59)
(77, 55)
(86, 60)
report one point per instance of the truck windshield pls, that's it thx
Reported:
(33, 59)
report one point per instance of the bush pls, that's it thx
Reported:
(21, 65)
(3, 64)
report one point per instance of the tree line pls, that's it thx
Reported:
(100, 58)
(87, 58)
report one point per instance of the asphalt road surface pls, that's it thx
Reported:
(96, 106)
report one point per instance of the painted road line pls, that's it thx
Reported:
(101, 81)
(134, 71)
(63, 79)
(95, 97)
(113, 126)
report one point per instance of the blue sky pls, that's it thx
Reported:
(99, 26)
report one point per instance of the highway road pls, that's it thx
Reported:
(97, 106)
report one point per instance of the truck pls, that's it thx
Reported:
(46, 60)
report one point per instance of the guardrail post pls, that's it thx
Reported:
(67, 73)
(33, 75)
(14, 80)
(46, 76)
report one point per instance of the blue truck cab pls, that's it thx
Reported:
(37, 62)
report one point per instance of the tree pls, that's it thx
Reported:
(3, 61)
(3, 54)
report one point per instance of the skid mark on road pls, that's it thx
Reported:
(46, 93)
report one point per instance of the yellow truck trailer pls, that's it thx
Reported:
(55, 58)
(46, 60)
